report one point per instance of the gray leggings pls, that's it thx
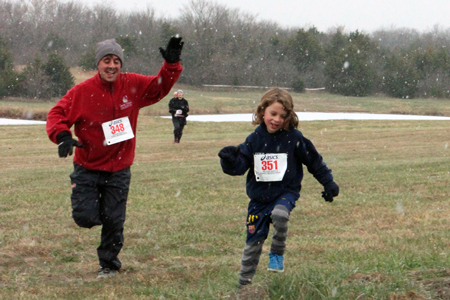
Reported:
(252, 250)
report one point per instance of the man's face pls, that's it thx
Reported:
(109, 67)
(180, 95)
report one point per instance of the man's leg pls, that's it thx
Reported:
(85, 197)
(114, 193)
(180, 131)
(176, 130)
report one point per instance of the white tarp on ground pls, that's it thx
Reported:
(19, 122)
(314, 116)
(303, 116)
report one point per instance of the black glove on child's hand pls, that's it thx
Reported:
(229, 154)
(331, 190)
(66, 144)
(173, 50)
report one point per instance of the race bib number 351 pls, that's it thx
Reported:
(118, 130)
(270, 166)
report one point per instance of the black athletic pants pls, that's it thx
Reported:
(178, 125)
(99, 198)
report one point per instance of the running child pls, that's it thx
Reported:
(274, 154)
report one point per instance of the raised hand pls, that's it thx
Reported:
(172, 52)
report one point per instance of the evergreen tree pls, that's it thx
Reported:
(349, 68)
(53, 42)
(299, 86)
(167, 31)
(36, 82)
(306, 49)
(10, 81)
(128, 45)
(87, 60)
(433, 67)
(335, 61)
(401, 76)
(61, 80)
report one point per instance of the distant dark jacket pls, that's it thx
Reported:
(300, 151)
(176, 104)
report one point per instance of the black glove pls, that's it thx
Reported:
(331, 190)
(173, 50)
(229, 154)
(66, 143)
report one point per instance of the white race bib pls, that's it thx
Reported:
(270, 166)
(179, 113)
(117, 130)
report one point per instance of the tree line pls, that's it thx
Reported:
(41, 39)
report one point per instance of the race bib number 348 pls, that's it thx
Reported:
(270, 166)
(118, 130)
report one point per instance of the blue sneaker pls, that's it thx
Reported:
(276, 263)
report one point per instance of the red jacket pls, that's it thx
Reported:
(94, 101)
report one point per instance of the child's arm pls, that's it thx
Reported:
(232, 161)
(318, 168)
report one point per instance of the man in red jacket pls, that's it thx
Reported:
(104, 111)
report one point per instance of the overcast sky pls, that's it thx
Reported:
(364, 15)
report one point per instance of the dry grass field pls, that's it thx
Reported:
(385, 237)
(210, 100)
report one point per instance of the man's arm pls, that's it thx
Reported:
(161, 84)
(58, 118)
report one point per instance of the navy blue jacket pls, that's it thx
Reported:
(300, 151)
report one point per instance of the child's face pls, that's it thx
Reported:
(274, 117)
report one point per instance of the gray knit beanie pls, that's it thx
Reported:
(108, 47)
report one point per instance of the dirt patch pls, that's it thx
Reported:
(408, 296)
(250, 292)
(364, 278)
(379, 278)
(437, 282)
(439, 287)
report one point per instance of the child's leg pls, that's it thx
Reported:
(250, 260)
(280, 218)
(258, 223)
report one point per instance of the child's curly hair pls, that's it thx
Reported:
(281, 96)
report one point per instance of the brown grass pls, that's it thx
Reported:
(384, 237)
(81, 75)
